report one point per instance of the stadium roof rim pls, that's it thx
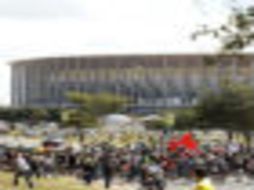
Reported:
(133, 55)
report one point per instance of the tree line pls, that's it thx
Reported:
(231, 108)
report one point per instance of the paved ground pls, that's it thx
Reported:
(70, 183)
(230, 183)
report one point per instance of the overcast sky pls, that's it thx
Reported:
(39, 28)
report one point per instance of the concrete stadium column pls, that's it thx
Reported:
(104, 77)
(130, 85)
(141, 80)
(54, 81)
(117, 62)
(96, 76)
(14, 86)
(99, 76)
(134, 82)
(221, 71)
(48, 84)
(81, 74)
(24, 84)
(128, 82)
(248, 71)
(252, 73)
(164, 81)
(64, 81)
(19, 86)
(36, 84)
(76, 71)
(89, 76)
(107, 71)
(57, 81)
(182, 82)
(234, 68)
(217, 73)
(169, 78)
(92, 77)
(84, 74)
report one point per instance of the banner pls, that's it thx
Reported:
(186, 141)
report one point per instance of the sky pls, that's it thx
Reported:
(44, 28)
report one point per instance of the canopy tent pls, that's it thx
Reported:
(116, 120)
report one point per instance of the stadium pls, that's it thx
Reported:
(152, 82)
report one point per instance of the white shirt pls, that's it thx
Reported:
(22, 164)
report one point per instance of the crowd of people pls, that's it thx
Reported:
(152, 168)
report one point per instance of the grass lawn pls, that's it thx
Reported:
(58, 183)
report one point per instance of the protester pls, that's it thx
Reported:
(22, 170)
(203, 182)
(35, 165)
(107, 169)
(88, 170)
(146, 165)
(48, 164)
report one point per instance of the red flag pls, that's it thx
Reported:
(173, 144)
(188, 142)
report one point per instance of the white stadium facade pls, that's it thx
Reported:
(152, 82)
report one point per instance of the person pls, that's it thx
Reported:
(22, 169)
(203, 182)
(35, 166)
(88, 170)
(107, 168)
(157, 174)
(48, 165)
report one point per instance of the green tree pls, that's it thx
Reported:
(37, 115)
(98, 104)
(31, 115)
(54, 114)
(186, 119)
(236, 105)
(89, 107)
(14, 115)
(92, 106)
(234, 35)
(157, 124)
(78, 118)
(231, 109)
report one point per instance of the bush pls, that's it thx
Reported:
(156, 124)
